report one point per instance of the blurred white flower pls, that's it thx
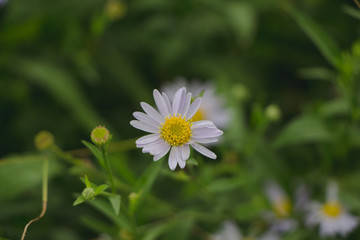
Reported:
(332, 217)
(280, 218)
(3, 2)
(230, 231)
(173, 129)
(213, 105)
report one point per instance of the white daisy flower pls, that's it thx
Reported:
(172, 128)
(280, 218)
(332, 217)
(230, 231)
(213, 105)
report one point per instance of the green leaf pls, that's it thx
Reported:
(87, 182)
(101, 188)
(79, 200)
(354, 12)
(105, 208)
(62, 86)
(28, 170)
(146, 181)
(321, 39)
(192, 161)
(304, 129)
(242, 20)
(115, 203)
(224, 185)
(96, 151)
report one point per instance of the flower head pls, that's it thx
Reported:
(44, 140)
(100, 135)
(280, 217)
(213, 105)
(230, 231)
(173, 129)
(332, 216)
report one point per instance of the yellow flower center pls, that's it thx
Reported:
(176, 130)
(332, 209)
(199, 115)
(282, 208)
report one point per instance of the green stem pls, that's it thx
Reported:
(107, 165)
(44, 196)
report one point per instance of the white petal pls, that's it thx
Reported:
(203, 150)
(194, 107)
(160, 103)
(167, 101)
(142, 117)
(206, 133)
(143, 126)
(185, 152)
(152, 112)
(147, 148)
(172, 159)
(186, 105)
(148, 138)
(203, 124)
(155, 149)
(163, 153)
(178, 99)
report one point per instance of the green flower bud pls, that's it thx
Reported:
(89, 194)
(100, 136)
(273, 112)
(44, 140)
(240, 92)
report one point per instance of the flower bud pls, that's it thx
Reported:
(273, 112)
(115, 9)
(240, 92)
(44, 140)
(100, 136)
(89, 194)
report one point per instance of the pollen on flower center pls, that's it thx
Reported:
(176, 130)
(332, 209)
(282, 208)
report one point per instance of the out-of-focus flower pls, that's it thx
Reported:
(213, 105)
(273, 112)
(230, 231)
(3, 2)
(331, 216)
(280, 218)
(44, 140)
(115, 9)
(173, 128)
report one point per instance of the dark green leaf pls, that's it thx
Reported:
(115, 203)
(96, 151)
(79, 200)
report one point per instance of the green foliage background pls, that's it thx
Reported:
(68, 66)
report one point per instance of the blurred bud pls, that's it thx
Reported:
(125, 235)
(134, 198)
(100, 136)
(356, 49)
(44, 140)
(89, 194)
(240, 92)
(115, 9)
(273, 112)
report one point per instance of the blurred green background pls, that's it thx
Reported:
(68, 66)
